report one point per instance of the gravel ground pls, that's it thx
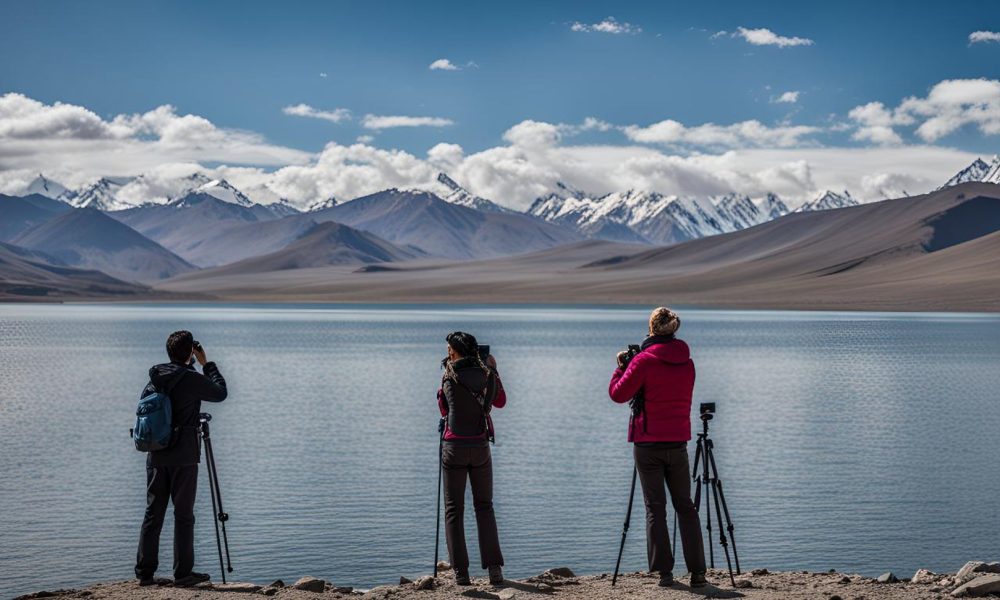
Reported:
(557, 583)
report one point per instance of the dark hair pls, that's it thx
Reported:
(463, 343)
(179, 346)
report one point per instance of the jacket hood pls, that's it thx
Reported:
(674, 351)
(160, 375)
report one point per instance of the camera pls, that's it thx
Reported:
(197, 345)
(707, 410)
(484, 352)
(633, 350)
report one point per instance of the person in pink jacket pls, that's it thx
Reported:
(663, 374)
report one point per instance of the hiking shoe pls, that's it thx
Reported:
(496, 575)
(192, 579)
(666, 579)
(698, 580)
(462, 578)
(145, 581)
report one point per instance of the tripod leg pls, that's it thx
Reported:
(210, 466)
(729, 521)
(718, 514)
(437, 528)
(703, 451)
(628, 519)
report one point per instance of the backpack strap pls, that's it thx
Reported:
(174, 381)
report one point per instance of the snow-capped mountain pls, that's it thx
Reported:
(456, 194)
(100, 195)
(284, 208)
(772, 207)
(46, 187)
(225, 191)
(322, 204)
(828, 200)
(979, 170)
(653, 217)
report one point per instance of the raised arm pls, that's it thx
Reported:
(211, 387)
(626, 383)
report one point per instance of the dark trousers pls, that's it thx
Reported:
(165, 484)
(476, 465)
(656, 466)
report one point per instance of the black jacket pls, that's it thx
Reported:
(185, 398)
(466, 415)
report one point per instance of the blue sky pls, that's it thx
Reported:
(239, 64)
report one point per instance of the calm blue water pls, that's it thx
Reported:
(862, 442)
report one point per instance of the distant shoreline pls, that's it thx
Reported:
(532, 303)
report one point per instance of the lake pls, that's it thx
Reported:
(862, 442)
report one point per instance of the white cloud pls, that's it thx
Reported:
(323, 75)
(164, 146)
(788, 98)
(978, 37)
(443, 64)
(304, 110)
(608, 25)
(744, 134)
(949, 106)
(365, 139)
(766, 37)
(35, 135)
(389, 121)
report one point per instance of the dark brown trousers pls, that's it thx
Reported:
(656, 466)
(476, 465)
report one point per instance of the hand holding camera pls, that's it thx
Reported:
(199, 354)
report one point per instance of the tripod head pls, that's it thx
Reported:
(203, 420)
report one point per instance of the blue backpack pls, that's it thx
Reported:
(154, 419)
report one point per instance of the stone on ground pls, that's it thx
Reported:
(424, 583)
(310, 584)
(237, 587)
(980, 586)
(887, 578)
(924, 576)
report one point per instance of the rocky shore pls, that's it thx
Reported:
(975, 579)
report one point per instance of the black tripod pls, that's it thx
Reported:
(437, 528)
(628, 521)
(709, 477)
(213, 484)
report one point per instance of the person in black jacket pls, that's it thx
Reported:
(172, 473)
(470, 388)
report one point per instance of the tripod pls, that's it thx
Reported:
(213, 484)
(709, 477)
(437, 528)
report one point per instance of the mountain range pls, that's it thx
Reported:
(210, 230)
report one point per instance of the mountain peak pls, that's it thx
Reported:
(979, 170)
(322, 204)
(44, 186)
(225, 191)
(456, 194)
(827, 200)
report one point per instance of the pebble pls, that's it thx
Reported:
(924, 576)
(887, 578)
(507, 594)
(424, 583)
(277, 583)
(404, 580)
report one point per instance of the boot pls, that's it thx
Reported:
(496, 575)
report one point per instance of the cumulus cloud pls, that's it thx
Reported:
(304, 110)
(746, 133)
(949, 106)
(443, 64)
(979, 37)
(788, 98)
(164, 147)
(766, 37)
(34, 133)
(608, 25)
(390, 121)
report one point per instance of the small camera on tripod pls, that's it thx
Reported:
(707, 410)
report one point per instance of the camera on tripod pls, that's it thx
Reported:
(706, 410)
